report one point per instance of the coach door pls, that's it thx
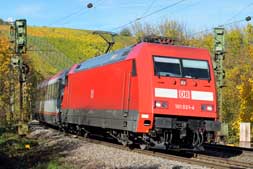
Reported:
(61, 84)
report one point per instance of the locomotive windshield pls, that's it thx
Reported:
(167, 66)
(174, 67)
(195, 69)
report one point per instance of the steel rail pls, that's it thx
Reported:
(225, 147)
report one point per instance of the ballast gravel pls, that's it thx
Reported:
(85, 155)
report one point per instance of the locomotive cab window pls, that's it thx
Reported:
(195, 69)
(175, 67)
(167, 66)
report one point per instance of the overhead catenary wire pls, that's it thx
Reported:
(53, 56)
(67, 16)
(68, 21)
(248, 18)
(180, 10)
(149, 7)
(229, 23)
(240, 11)
(77, 12)
(98, 2)
(149, 14)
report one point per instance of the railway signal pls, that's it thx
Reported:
(219, 56)
(18, 38)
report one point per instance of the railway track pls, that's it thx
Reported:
(201, 160)
(224, 162)
(197, 159)
(229, 149)
(225, 152)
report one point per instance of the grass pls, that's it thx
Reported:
(13, 154)
(53, 164)
(13, 145)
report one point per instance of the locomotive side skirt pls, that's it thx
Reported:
(112, 119)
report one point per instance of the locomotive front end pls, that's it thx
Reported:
(183, 99)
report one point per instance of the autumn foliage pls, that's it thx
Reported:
(4, 81)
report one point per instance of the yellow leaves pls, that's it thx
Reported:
(27, 146)
(66, 47)
(246, 97)
(4, 57)
(4, 70)
(75, 35)
(250, 51)
(4, 28)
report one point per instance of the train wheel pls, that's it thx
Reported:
(143, 146)
(124, 143)
(86, 134)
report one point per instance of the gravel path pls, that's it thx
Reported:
(82, 154)
(244, 157)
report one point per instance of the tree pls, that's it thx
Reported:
(2, 22)
(138, 31)
(169, 28)
(125, 32)
(172, 29)
(4, 85)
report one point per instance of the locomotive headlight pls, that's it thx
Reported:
(158, 104)
(161, 104)
(209, 108)
(205, 107)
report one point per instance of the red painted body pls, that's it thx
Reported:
(112, 86)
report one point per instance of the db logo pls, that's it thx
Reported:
(184, 94)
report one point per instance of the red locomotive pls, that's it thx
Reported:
(147, 94)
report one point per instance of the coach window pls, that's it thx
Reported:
(52, 91)
(43, 93)
(46, 92)
(165, 66)
(55, 89)
(49, 92)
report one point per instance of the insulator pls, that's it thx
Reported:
(248, 18)
(89, 5)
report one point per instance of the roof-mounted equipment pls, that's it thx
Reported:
(158, 39)
(110, 42)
